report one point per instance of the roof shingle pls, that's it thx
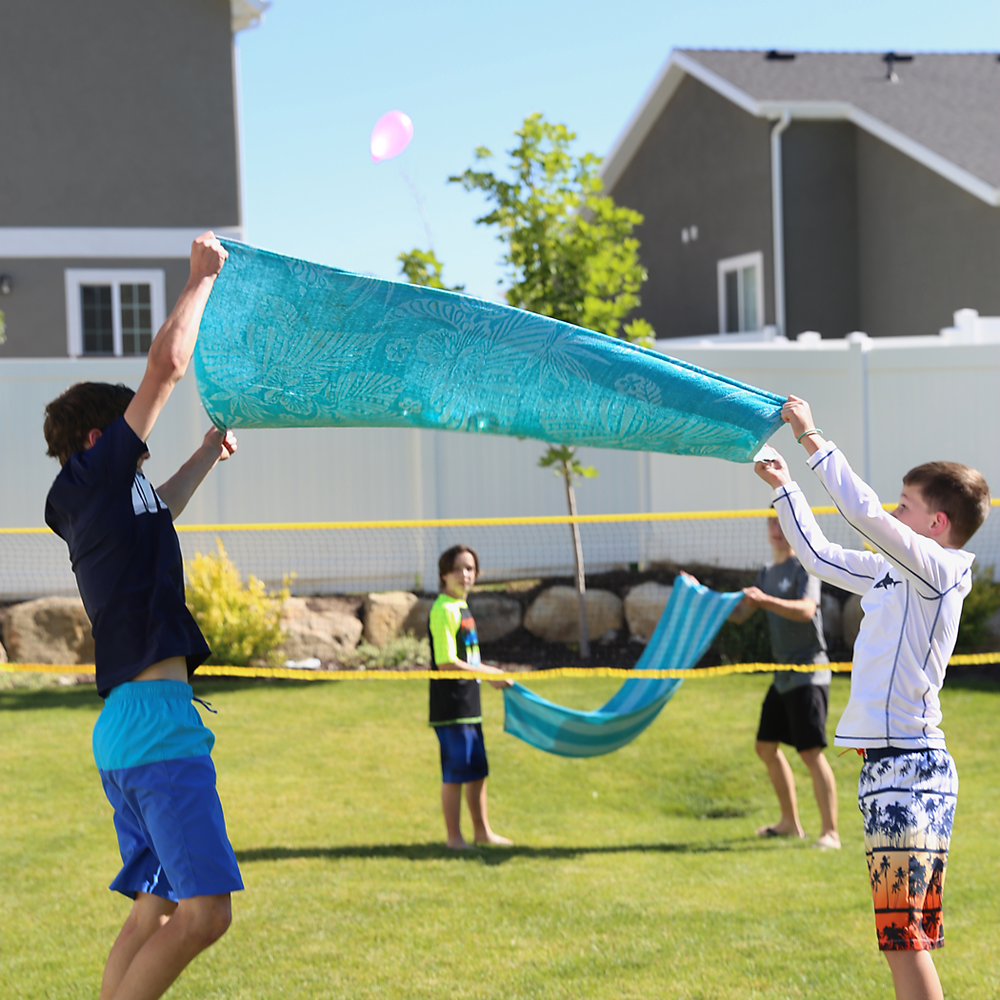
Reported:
(947, 102)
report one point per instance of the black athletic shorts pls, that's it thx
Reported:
(797, 717)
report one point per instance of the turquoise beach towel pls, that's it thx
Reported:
(285, 343)
(692, 618)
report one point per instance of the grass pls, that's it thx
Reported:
(634, 875)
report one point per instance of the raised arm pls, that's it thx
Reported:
(173, 345)
(848, 569)
(914, 555)
(178, 489)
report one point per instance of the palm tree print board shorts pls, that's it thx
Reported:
(908, 803)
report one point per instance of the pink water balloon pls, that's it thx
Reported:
(391, 135)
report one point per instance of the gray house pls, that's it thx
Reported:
(815, 191)
(119, 142)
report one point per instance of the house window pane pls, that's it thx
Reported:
(749, 318)
(732, 302)
(137, 319)
(98, 324)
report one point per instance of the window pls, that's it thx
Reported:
(741, 293)
(113, 313)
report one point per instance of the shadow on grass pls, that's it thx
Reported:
(974, 679)
(483, 855)
(23, 699)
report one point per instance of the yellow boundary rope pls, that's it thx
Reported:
(456, 522)
(300, 674)
(453, 522)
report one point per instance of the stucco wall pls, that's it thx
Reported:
(819, 175)
(926, 247)
(704, 163)
(118, 113)
(35, 311)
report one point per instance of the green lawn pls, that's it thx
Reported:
(634, 875)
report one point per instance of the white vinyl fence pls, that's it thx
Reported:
(888, 403)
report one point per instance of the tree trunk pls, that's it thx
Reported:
(581, 584)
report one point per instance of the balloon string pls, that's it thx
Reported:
(420, 206)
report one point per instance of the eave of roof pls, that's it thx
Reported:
(682, 64)
(247, 13)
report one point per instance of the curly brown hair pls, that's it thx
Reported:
(71, 417)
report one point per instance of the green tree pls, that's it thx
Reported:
(570, 254)
(421, 267)
(569, 248)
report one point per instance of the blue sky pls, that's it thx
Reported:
(317, 75)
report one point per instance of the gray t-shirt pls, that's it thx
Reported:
(794, 642)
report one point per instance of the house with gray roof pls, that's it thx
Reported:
(821, 191)
(120, 138)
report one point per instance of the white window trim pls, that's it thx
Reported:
(94, 243)
(723, 267)
(75, 277)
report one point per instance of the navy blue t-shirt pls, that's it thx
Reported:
(126, 558)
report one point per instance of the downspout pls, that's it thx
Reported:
(778, 222)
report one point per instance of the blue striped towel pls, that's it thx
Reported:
(692, 618)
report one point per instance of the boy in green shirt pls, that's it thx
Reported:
(455, 711)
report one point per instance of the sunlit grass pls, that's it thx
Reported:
(633, 875)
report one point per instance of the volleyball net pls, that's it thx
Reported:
(352, 557)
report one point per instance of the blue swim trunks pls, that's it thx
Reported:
(463, 753)
(152, 751)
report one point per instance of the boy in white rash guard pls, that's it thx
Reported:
(913, 582)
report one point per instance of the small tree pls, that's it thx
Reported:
(570, 255)
(568, 466)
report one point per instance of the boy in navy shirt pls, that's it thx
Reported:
(151, 748)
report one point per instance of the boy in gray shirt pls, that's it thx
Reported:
(794, 710)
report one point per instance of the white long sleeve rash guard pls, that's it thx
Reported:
(912, 598)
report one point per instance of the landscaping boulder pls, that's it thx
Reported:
(555, 614)
(644, 606)
(393, 613)
(49, 630)
(852, 620)
(833, 620)
(3, 654)
(496, 615)
(325, 633)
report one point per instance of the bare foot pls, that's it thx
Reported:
(459, 845)
(828, 841)
(495, 840)
(779, 830)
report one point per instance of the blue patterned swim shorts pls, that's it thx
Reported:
(908, 803)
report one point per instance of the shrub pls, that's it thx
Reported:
(749, 642)
(241, 624)
(405, 650)
(979, 607)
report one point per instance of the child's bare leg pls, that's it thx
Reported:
(780, 773)
(194, 925)
(825, 789)
(451, 804)
(914, 975)
(147, 916)
(475, 795)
